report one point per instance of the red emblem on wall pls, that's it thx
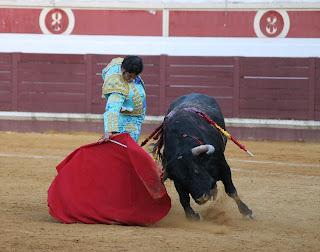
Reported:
(56, 21)
(271, 23)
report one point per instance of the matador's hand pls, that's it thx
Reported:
(106, 137)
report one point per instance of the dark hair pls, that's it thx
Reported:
(132, 64)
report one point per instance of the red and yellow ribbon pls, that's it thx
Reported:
(223, 132)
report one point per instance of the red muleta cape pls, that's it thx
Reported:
(108, 183)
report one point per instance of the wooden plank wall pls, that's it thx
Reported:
(6, 84)
(51, 83)
(275, 88)
(209, 75)
(272, 88)
(317, 89)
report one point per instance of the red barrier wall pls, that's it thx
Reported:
(271, 88)
(300, 22)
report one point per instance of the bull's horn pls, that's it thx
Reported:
(207, 148)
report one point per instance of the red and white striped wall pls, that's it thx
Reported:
(292, 19)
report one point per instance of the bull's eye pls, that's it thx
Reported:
(179, 157)
(196, 171)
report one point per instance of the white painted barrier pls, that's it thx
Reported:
(230, 122)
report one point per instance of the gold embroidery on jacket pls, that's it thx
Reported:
(115, 61)
(115, 84)
(113, 122)
(130, 127)
(137, 102)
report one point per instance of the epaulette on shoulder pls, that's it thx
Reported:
(115, 84)
(115, 61)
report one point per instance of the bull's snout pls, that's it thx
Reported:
(203, 199)
(207, 196)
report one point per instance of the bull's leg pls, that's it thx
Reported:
(232, 191)
(185, 202)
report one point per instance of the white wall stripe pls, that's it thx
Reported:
(165, 22)
(230, 122)
(158, 45)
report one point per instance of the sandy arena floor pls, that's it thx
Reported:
(281, 184)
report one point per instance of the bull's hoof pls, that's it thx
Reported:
(250, 216)
(245, 211)
(193, 216)
(214, 193)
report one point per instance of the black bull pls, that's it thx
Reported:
(193, 153)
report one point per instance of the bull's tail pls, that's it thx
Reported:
(154, 134)
(157, 135)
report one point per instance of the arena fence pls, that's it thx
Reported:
(248, 88)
